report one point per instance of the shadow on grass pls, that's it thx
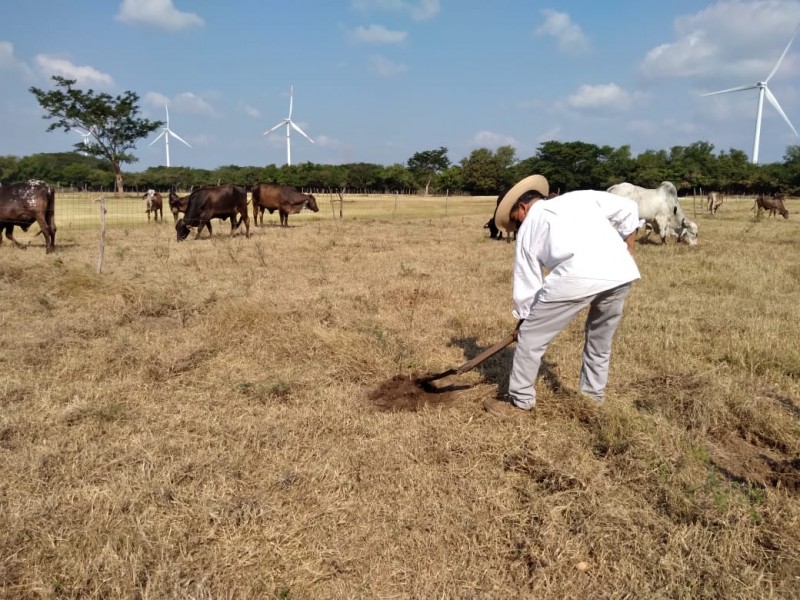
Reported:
(497, 368)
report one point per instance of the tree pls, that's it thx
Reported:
(488, 173)
(112, 122)
(427, 164)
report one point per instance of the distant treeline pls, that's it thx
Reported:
(567, 165)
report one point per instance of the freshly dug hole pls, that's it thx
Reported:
(406, 393)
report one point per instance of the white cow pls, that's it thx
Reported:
(660, 210)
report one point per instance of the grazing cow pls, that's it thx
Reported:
(660, 210)
(23, 203)
(154, 205)
(774, 204)
(177, 205)
(494, 232)
(214, 202)
(715, 200)
(283, 198)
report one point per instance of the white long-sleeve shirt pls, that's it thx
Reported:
(579, 238)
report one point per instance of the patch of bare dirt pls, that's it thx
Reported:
(407, 393)
(742, 461)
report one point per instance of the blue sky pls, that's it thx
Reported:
(379, 80)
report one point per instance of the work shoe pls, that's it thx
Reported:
(502, 408)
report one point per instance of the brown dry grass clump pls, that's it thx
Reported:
(195, 422)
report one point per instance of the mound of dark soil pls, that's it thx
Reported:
(406, 393)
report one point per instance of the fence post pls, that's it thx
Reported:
(101, 253)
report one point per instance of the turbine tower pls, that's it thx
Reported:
(85, 141)
(763, 90)
(289, 126)
(166, 132)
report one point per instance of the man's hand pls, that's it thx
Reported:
(516, 331)
(630, 240)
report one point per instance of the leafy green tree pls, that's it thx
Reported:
(8, 168)
(736, 172)
(792, 169)
(112, 122)
(615, 165)
(569, 165)
(427, 164)
(450, 180)
(694, 167)
(396, 178)
(652, 167)
(486, 172)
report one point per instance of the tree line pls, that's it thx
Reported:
(567, 165)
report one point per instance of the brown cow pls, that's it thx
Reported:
(23, 203)
(177, 205)
(154, 205)
(214, 202)
(774, 204)
(283, 198)
(714, 201)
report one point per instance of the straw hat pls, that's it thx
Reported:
(502, 217)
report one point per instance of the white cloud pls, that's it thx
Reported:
(251, 111)
(85, 75)
(554, 133)
(327, 142)
(377, 34)
(490, 139)
(606, 96)
(157, 13)
(386, 68)
(192, 104)
(9, 62)
(730, 39)
(187, 103)
(421, 10)
(156, 99)
(569, 36)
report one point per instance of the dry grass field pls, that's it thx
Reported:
(195, 421)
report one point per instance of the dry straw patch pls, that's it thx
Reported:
(195, 421)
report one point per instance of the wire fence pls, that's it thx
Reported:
(80, 210)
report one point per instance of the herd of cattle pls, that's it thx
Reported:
(228, 202)
(23, 204)
(660, 210)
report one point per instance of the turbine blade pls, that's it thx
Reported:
(291, 95)
(780, 60)
(774, 101)
(166, 108)
(160, 135)
(177, 137)
(736, 89)
(271, 129)
(300, 131)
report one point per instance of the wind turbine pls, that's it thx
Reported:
(85, 135)
(166, 132)
(763, 90)
(289, 126)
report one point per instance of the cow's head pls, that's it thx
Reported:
(311, 203)
(182, 230)
(688, 232)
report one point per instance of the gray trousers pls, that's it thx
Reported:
(545, 321)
